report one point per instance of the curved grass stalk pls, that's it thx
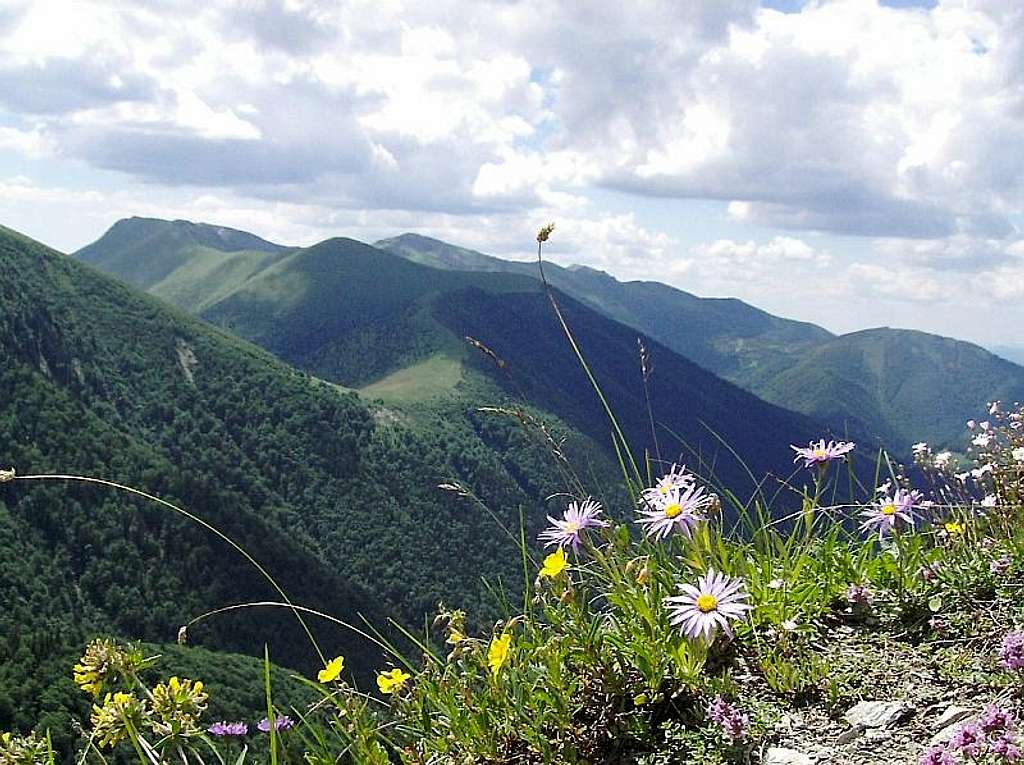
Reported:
(195, 519)
(292, 607)
(582, 359)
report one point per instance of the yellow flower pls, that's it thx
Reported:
(545, 232)
(455, 637)
(952, 527)
(497, 653)
(333, 669)
(179, 703)
(555, 563)
(393, 681)
(111, 720)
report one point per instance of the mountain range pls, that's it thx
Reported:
(363, 317)
(895, 386)
(883, 386)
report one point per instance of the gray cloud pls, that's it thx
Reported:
(60, 85)
(273, 23)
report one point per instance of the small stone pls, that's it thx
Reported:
(848, 736)
(953, 714)
(877, 734)
(876, 714)
(778, 755)
(947, 724)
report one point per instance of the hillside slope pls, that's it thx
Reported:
(898, 386)
(331, 497)
(351, 314)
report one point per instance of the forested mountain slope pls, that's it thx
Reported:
(351, 314)
(896, 386)
(335, 500)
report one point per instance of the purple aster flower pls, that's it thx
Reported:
(568, 530)
(822, 453)
(999, 566)
(676, 478)
(731, 720)
(937, 755)
(995, 719)
(678, 510)
(284, 722)
(1007, 746)
(228, 729)
(968, 739)
(858, 595)
(700, 610)
(890, 509)
(1011, 655)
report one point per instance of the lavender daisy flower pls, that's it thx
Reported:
(675, 479)
(822, 453)
(712, 603)
(678, 510)
(228, 729)
(568, 530)
(1011, 655)
(890, 509)
(284, 722)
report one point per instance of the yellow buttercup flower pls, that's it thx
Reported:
(555, 563)
(497, 653)
(393, 681)
(952, 527)
(333, 669)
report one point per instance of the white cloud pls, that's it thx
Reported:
(477, 121)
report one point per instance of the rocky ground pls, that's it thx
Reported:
(886, 696)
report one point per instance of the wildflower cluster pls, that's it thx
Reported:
(640, 622)
(992, 739)
(106, 662)
(24, 750)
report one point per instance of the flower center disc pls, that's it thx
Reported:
(706, 603)
(673, 510)
(889, 509)
(820, 454)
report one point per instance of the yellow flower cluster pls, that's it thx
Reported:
(23, 750)
(103, 660)
(120, 715)
(178, 704)
(393, 681)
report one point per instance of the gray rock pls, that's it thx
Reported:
(876, 714)
(848, 736)
(778, 755)
(948, 722)
(953, 714)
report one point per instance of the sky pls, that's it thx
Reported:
(854, 163)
